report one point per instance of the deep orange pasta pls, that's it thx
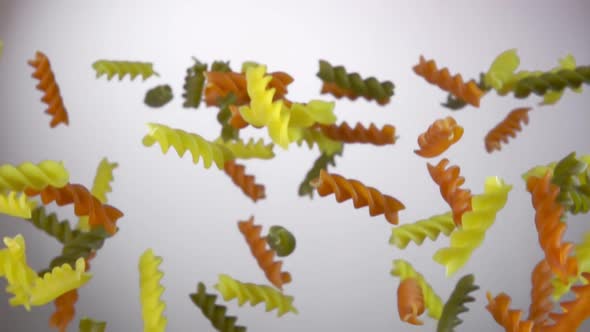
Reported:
(410, 301)
(245, 182)
(220, 84)
(439, 137)
(48, 84)
(509, 319)
(449, 181)
(541, 290)
(360, 134)
(506, 128)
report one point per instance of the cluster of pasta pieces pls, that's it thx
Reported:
(253, 97)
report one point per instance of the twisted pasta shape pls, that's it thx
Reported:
(124, 68)
(506, 128)
(91, 325)
(455, 305)
(449, 181)
(432, 301)
(183, 141)
(550, 228)
(343, 84)
(85, 204)
(17, 207)
(222, 66)
(59, 281)
(453, 103)
(314, 112)
(416, 232)
(215, 313)
(582, 252)
(469, 92)
(509, 319)
(158, 96)
(65, 310)
(254, 294)
(574, 312)
(361, 195)
(552, 81)
(51, 225)
(439, 137)
(264, 257)
(224, 116)
(360, 134)
(281, 240)
(502, 70)
(194, 82)
(311, 136)
(475, 224)
(100, 188)
(541, 291)
(151, 290)
(48, 84)
(245, 182)
(410, 301)
(236, 120)
(323, 161)
(572, 176)
(249, 150)
(35, 176)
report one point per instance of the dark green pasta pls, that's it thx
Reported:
(281, 240)
(227, 131)
(369, 88)
(552, 81)
(573, 178)
(158, 96)
(322, 162)
(456, 104)
(90, 325)
(220, 66)
(194, 82)
(215, 313)
(50, 224)
(455, 305)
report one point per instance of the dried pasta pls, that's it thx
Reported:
(340, 83)
(475, 223)
(158, 96)
(314, 112)
(502, 70)
(417, 232)
(582, 252)
(48, 84)
(360, 134)
(453, 103)
(215, 313)
(469, 92)
(221, 66)
(91, 325)
(439, 137)
(552, 81)
(541, 304)
(249, 150)
(65, 310)
(574, 312)
(455, 305)
(509, 319)
(410, 301)
(51, 225)
(183, 141)
(281, 240)
(150, 288)
(361, 195)
(224, 116)
(323, 161)
(404, 270)
(264, 256)
(506, 128)
(311, 137)
(34, 176)
(194, 82)
(20, 207)
(449, 181)
(100, 188)
(254, 294)
(124, 68)
(572, 175)
(237, 174)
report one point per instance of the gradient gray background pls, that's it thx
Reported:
(188, 215)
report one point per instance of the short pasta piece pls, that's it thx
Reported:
(124, 68)
(215, 313)
(20, 207)
(150, 288)
(439, 137)
(404, 270)
(455, 305)
(247, 183)
(506, 128)
(410, 301)
(360, 134)
(33, 176)
(48, 84)
(449, 181)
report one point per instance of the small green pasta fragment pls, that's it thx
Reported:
(455, 305)
(552, 81)
(90, 325)
(314, 112)
(194, 83)
(151, 289)
(223, 116)
(250, 150)
(215, 313)
(305, 188)
(51, 225)
(158, 96)
(281, 240)
(220, 66)
(123, 68)
(404, 270)
(416, 232)
(453, 103)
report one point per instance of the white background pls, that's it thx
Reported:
(188, 215)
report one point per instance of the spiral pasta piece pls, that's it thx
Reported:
(59, 281)
(48, 84)
(254, 294)
(150, 292)
(449, 181)
(475, 224)
(194, 82)
(314, 112)
(506, 128)
(312, 137)
(236, 120)
(19, 207)
(158, 96)
(100, 188)
(453, 103)
(245, 182)
(51, 225)
(249, 150)
(552, 81)
(221, 66)
(224, 116)
(439, 137)
(65, 310)
(360, 134)
(455, 305)
(361, 195)
(124, 68)
(582, 252)
(417, 232)
(550, 228)
(571, 175)
(410, 301)
(91, 325)
(469, 92)
(509, 319)
(215, 313)
(574, 312)
(340, 83)
(541, 290)
(404, 270)
(85, 204)
(183, 141)
(264, 256)
(502, 70)
(323, 161)
(35, 176)
(281, 240)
